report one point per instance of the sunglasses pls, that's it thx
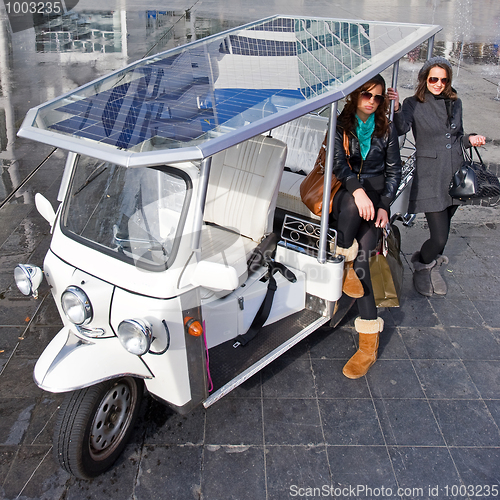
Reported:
(435, 79)
(377, 98)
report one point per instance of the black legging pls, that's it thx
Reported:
(350, 225)
(439, 228)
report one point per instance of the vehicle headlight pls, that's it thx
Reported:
(28, 279)
(135, 335)
(76, 305)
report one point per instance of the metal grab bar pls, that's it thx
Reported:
(327, 186)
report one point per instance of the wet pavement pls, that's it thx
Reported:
(426, 416)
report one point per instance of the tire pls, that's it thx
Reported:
(94, 425)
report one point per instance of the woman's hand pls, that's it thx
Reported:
(382, 218)
(477, 140)
(364, 204)
(393, 95)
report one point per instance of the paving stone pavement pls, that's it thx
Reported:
(426, 415)
(423, 423)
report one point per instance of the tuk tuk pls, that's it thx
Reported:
(182, 260)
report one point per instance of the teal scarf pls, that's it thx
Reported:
(364, 131)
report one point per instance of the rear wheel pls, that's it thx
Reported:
(94, 425)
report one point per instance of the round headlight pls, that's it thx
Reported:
(76, 305)
(135, 335)
(28, 279)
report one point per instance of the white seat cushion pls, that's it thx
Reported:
(228, 248)
(225, 247)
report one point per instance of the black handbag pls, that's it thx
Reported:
(473, 180)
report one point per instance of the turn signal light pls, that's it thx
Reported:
(193, 326)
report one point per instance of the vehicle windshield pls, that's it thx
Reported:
(135, 215)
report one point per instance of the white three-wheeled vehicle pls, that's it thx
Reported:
(182, 259)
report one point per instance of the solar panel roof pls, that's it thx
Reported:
(192, 101)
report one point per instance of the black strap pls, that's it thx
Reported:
(263, 253)
(468, 152)
(265, 308)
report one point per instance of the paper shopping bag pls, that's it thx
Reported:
(387, 271)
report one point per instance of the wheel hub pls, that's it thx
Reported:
(111, 419)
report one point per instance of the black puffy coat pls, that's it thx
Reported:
(379, 171)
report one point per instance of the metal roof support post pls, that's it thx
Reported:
(327, 186)
(200, 202)
(430, 46)
(395, 71)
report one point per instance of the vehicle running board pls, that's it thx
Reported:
(230, 367)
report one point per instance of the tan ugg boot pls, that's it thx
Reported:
(351, 286)
(369, 333)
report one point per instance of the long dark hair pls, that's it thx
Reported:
(448, 90)
(347, 118)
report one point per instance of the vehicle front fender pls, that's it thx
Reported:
(70, 362)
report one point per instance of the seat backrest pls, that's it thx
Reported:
(303, 137)
(243, 186)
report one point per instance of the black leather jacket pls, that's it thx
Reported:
(380, 171)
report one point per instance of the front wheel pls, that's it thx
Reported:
(94, 425)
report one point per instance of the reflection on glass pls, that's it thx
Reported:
(79, 32)
(217, 85)
(132, 214)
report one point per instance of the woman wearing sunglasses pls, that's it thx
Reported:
(370, 173)
(434, 114)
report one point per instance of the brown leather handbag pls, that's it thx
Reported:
(311, 189)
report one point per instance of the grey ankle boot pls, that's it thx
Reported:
(438, 283)
(422, 275)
